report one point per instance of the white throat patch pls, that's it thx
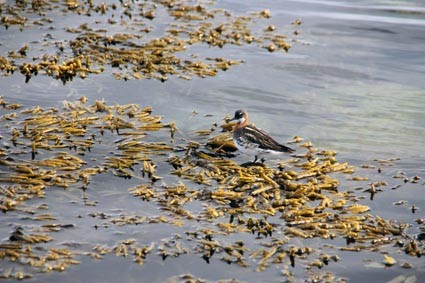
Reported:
(241, 120)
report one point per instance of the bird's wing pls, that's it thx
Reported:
(260, 137)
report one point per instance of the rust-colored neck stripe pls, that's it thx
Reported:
(243, 124)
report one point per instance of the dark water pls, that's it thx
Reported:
(353, 82)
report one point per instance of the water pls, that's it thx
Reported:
(352, 82)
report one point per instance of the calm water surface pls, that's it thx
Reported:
(353, 82)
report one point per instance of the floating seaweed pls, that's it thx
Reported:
(139, 51)
(298, 198)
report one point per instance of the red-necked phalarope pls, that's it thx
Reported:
(253, 141)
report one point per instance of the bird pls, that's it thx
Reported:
(253, 141)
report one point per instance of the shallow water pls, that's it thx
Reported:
(353, 82)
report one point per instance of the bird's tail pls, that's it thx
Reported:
(284, 148)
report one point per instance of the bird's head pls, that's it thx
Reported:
(241, 117)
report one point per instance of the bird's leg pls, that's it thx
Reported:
(262, 160)
(255, 160)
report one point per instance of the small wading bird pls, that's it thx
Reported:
(253, 141)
